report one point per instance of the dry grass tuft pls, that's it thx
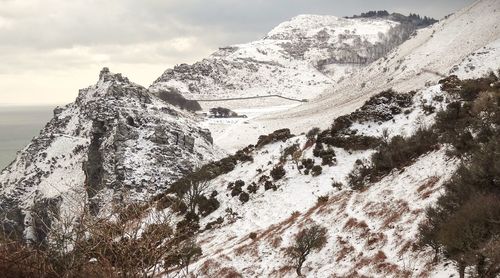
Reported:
(428, 187)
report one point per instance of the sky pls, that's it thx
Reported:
(51, 48)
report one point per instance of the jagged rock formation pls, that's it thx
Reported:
(299, 58)
(115, 139)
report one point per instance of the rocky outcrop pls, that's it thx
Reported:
(116, 139)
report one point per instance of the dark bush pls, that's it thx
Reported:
(278, 172)
(358, 178)
(236, 191)
(214, 194)
(337, 185)
(327, 156)
(192, 217)
(401, 151)
(438, 98)
(308, 163)
(236, 187)
(239, 183)
(206, 172)
(207, 206)
(379, 108)
(450, 84)
(210, 225)
(353, 142)
(187, 228)
(462, 119)
(383, 106)
(253, 236)
(316, 170)
(278, 135)
(464, 224)
(263, 178)
(339, 124)
(322, 199)
(269, 185)
(252, 188)
(328, 160)
(318, 149)
(312, 132)
(470, 89)
(221, 112)
(465, 221)
(244, 197)
(428, 109)
(243, 156)
(174, 97)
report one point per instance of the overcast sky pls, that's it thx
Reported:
(51, 48)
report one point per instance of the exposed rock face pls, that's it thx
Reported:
(115, 139)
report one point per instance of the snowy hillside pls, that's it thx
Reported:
(299, 59)
(376, 144)
(466, 43)
(371, 232)
(115, 138)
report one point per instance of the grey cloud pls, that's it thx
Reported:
(61, 23)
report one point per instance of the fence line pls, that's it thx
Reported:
(254, 97)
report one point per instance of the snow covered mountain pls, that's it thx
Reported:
(298, 59)
(469, 36)
(371, 232)
(116, 139)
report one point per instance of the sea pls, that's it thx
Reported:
(18, 125)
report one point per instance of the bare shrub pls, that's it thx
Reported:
(306, 241)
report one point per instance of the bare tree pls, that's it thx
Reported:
(188, 252)
(296, 157)
(119, 244)
(306, 241)
(195, 190)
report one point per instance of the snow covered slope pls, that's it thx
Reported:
(115, 138)
(371, 232)
(466, 43)
(299, 59)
